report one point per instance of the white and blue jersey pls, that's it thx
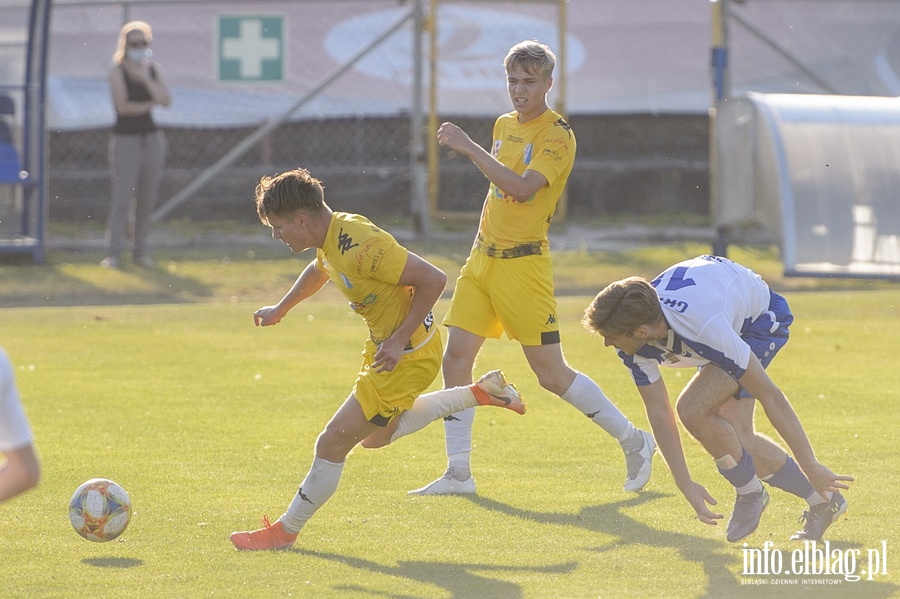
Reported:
(718, 312)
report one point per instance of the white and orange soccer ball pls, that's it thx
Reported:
(100, 510)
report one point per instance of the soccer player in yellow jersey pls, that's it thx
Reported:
(394, 291)
(507, 281)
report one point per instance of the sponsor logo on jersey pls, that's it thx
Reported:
(367, 254)
(515, 138)
(555, 155)
(677, 305)
(376, 260)
(499, 193)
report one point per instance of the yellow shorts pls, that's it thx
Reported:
(515, 295)
(384, 395)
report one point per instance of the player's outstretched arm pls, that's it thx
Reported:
(785, 420)
(310, 281)
(665, 430)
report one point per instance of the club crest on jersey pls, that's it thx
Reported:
(345, 242)
(346, 281)
(529, 150)
(671, 358)
(362, 305)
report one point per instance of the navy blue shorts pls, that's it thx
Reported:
(767, 334)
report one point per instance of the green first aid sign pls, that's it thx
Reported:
(251, 48)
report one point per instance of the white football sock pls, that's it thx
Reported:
(754, 486)
(817, 499)
(587, 397)
(433, 406)
(458, 435)
(318, 486)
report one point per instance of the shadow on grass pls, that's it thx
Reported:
(718, 559)
(52, 285)
(460, 580)
(113, 562)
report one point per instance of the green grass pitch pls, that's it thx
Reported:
(163, 384)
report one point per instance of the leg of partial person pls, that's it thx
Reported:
(346, 428)
(773, 464)
(459, 360)
(147, 193)
(124, 166)
(778, 469)
(492, 389)
(699, 408)
(579, 390)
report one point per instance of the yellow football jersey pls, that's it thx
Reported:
(365, 263)
(546, 145)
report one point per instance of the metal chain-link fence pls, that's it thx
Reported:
(354, 134)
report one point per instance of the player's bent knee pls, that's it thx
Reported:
(689, 414)
(334, 447)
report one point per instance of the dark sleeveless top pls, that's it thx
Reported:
(140, 123)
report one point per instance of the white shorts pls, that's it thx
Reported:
(14, 429)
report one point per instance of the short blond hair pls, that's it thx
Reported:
(533, 57)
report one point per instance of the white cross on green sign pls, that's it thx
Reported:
(251, 48)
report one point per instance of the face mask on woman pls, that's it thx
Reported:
(139, 55)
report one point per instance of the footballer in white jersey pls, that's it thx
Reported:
(718, 311)
(715, 314)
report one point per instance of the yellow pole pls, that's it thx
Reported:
(720, 95)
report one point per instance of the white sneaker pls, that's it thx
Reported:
(639, 463)
(447, 485)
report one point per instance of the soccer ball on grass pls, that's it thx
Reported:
(99, 510)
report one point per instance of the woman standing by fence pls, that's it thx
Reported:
(137, 148)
